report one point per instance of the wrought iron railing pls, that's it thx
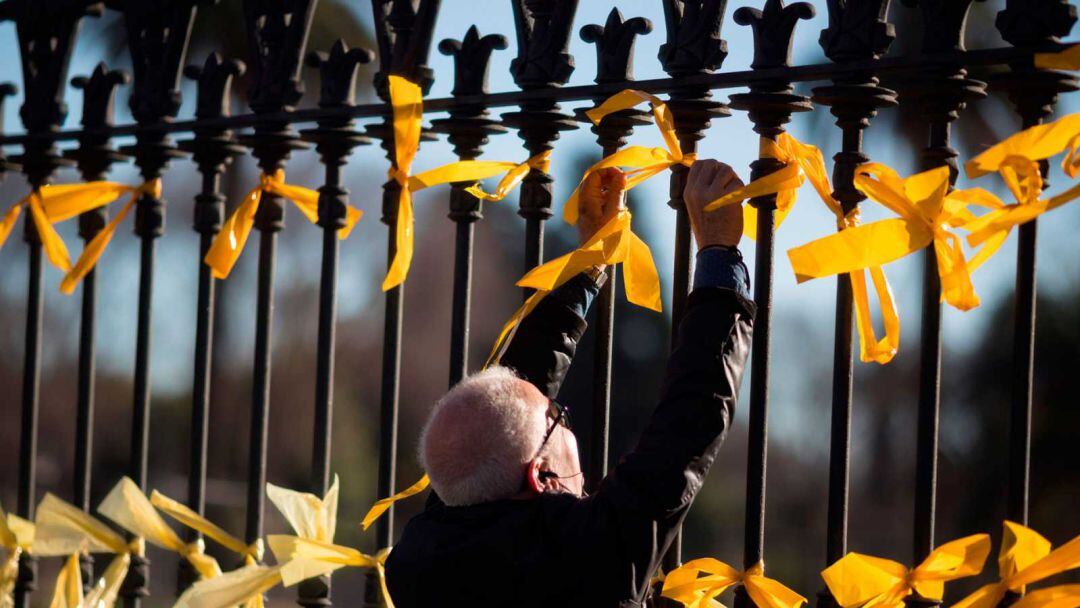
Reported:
(936, 81)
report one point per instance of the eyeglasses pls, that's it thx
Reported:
(560, 416)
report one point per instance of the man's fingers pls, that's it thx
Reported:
(615, 182)
(592, 196)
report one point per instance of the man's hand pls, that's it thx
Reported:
(602, 197)
(709, 180)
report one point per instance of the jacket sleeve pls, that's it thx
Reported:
(543, 346)
(646, 496)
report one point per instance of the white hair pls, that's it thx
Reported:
(480, 436)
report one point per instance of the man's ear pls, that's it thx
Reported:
(532, 477)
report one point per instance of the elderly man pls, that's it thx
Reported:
(509, 524)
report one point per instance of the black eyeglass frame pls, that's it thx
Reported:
(560, 415)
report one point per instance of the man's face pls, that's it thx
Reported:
(561, 453)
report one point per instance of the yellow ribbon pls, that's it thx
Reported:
(81, 197)
(64, 529)
(229, 243)
(801, 162)
(858, 580)
(697, 582)
(407, 103)
(380, 507)
(252, 553)
(1069, 59)
(49, 205)
(129, 508)
(926, 214)
(16, 536)
(305, 558)
(1025, 558)
(309, 516)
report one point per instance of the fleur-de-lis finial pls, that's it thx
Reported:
(337, 72)
(99, 90)
(857, 30)
(214, 80)
(277, 34)
(693, 36)
(472, 56)
(773, 28)
(404, 31)
(543, 35)
(46, 32)
(157, 33)
(944, 23)
(615, 45)
(1035, 22)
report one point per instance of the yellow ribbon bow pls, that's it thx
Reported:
(252, 553)
(687, 585)
(858, 580)
(65, 530)
(49, 205)
(16, 536)
(926, 213)
(305, 558)
(311, 517)
(801, 162)
(229, 243)
(128, 507)
(1025, 558)
(78, 199)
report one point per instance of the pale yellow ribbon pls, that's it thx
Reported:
(926, 214)
(407, 104)
(128, 507)
(1025, 558)
(252, 553)
(73, 202)
(698, 582)
(858, 580)
(65, 530)
(229, 243)
(309, 516)
(305, 558)
(16, 536)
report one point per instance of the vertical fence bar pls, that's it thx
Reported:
(334, 140)
(212, 149)
(404, 33)
(770, 106)
(855, 32)
(93, 157)
(157, 34)
(46, 37)
(941, 92)
(693, 47)
(543, 36)
(1034, 92)
(277, 35)
(614, 60)
(468, 129)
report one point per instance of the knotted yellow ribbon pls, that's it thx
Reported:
(858, 580)
(229, 243)
(64, 529)
(129, 508)
(252, 553)
(926, 214)
(1025, 558)
(407, 104)
(49, 205)
(16, 536)
(305, 558)
(311, 517)
(801, 162)
(687, 585)
(80, 197)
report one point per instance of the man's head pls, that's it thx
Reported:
(485, 441)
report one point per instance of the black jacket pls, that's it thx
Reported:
(599, 551)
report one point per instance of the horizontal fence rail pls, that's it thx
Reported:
(939, 81)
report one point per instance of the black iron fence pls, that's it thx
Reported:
(939, 81)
